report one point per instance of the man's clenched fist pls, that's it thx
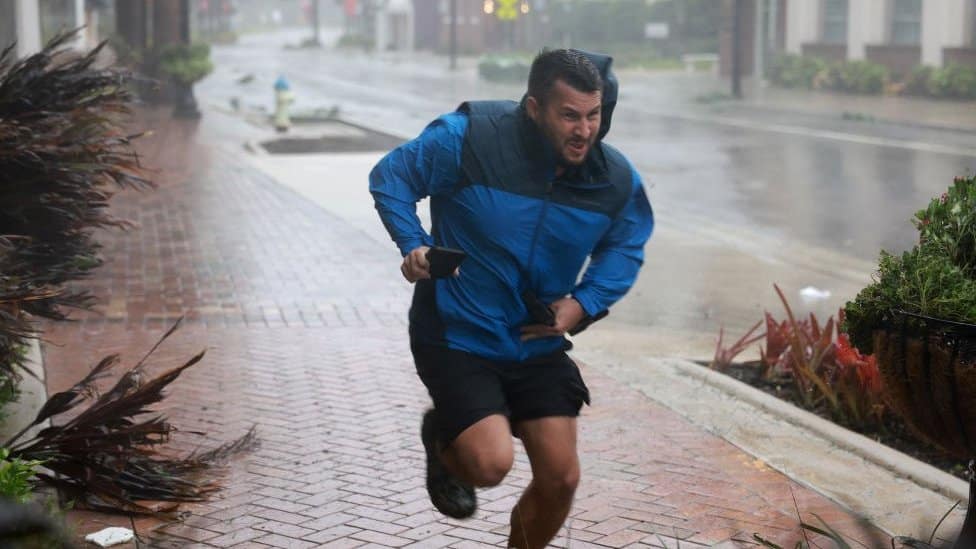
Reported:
(415, 265)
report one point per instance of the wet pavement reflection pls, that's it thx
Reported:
(744, 198)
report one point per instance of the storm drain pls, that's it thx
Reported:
(330, 137)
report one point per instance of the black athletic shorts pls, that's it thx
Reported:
(466, 388)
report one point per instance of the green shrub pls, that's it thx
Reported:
(501, 68)
(8, 394)
(186, 64)
(918, 81)
(949, 224)
(863, 77)
(357, 41)
(936, 278)
(954, 81)
(223, 37)
(796, 71)
(16, 477)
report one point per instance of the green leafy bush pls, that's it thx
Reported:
(186, 64)
(16, 477)
(949, 224)
(502, 68)
(358, 41)
(863, 77)
(936, 278)
(866, 77)
(918, 81)
(796, 71)
(954, 81)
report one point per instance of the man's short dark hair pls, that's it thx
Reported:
(570, 66)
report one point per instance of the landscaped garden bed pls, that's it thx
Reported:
(866, 77)
(914, 386)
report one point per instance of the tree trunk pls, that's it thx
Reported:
(167, 23)
(130, 23)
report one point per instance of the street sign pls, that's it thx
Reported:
(507, 10)
(656, 30)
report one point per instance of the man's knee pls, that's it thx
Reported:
(559, 485)
(484, 452)
(489, 468)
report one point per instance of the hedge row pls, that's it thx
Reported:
(866, 77)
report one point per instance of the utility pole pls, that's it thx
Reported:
(453, 43)
(185, 15)
(131, 18)
(737, 49)
(315, 23)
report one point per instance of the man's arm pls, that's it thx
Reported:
(425, 166)
(612, 270)
(618, 256)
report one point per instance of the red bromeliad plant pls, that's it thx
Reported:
(725, 355)
(825, 370)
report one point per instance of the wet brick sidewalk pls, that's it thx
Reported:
(304, 321)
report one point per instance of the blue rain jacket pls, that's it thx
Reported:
(490, 176)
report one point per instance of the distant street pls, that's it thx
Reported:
(743, 197)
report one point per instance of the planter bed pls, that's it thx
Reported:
(895, 435)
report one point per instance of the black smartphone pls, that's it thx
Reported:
(539, 311)
(444, 261)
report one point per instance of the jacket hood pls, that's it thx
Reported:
(604, 64)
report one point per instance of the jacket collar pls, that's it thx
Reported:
(543, 158)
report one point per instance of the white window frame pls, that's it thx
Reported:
(825, 21)
(894, 37)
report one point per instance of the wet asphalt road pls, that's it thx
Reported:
(743, 197)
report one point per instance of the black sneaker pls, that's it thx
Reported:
(448, 494)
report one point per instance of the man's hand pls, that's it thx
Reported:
(568, 313)
(415, 265)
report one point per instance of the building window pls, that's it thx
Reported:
(835, 21)
(906, 22)
(56, 16)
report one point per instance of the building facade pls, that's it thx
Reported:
(478, 26)
(899, 34)
(31, 23)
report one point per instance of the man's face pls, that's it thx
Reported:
(570, 119)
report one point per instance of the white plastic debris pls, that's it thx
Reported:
(110, 536)
(810, 294)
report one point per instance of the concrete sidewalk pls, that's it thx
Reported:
(303, 315)
(919, 112)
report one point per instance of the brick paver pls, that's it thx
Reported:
(304, 321)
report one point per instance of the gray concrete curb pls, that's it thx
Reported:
(896, 493)
(912, 469)
(870, 119)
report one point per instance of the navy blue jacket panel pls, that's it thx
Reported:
(490, 176)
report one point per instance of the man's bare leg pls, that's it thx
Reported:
(551, 445)
(482, 454)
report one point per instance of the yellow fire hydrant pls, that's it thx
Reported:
(283, 98)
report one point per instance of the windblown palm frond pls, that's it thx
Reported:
(105, 457)
(63, 154)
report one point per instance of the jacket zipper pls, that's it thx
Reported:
(535, 240)
(538, 228)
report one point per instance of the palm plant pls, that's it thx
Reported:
(105, 457)
(63, 154)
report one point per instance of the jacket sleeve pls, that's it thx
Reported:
(426, 166)
(618, 255)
